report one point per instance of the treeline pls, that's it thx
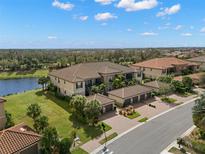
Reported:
(32, 59)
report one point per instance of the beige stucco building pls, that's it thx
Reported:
(157, 67)
(200, 61)
(130, 95)
(79, 78)
(2, 114)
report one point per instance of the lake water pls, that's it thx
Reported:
(18, 85)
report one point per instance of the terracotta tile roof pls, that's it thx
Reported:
(131, 91)
(157, 84)
(17, 138)
(194, 77)
(80, 72)
(104, 100)
(200, 59)
(163, 63)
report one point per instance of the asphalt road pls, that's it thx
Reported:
(155, 135)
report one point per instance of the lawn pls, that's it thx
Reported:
(56, 110)
(133, 115)
(110, 137)
(78, 151)
(24, 74)
(143, 119)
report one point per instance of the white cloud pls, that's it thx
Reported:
(169, 11)
(203, 30)
(83, 18)
(52, 37)
(186, 34)
(131, 5)
(104, 16)
(104, 2)
(149, 34)
(178, 27)
(63, 6)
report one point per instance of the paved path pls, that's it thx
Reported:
(155, 135)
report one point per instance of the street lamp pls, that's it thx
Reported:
(105, 150)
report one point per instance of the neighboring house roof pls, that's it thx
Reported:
(200, 59)
(195, 77)
(130, 91)
(17, 138)
(104, 100)
(80, 72)
(2, 100)
(157, 84)
(163, 63)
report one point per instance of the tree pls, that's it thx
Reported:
(118, 81)
(198, 113)
(33, 111)
(187, 81)
(9, 120)
(166, 79)
(50, 140)
(43, 81)
(78, 104)
(92, 111)
(64, 146)
(98, 88)
(178, 86)
(40, 124)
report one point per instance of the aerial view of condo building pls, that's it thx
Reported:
(102, 77)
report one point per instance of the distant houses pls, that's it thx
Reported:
(157, 67)
(200, 61)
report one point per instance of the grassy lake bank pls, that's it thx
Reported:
(24, 74)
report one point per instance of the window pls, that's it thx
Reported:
(64, 82)
(79, 85)
(55, 78)
(58, 80)
(65, 92)
(150, 69)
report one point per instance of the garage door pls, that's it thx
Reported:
(135, 99)
(142, 97)
(127, 102)
(149, 95)
(108, 107)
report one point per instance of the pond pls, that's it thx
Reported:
(13, 86)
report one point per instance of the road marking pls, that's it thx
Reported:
(138, 125)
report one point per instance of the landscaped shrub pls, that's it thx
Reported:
(198, 147)
(143, 119)
(168, 100)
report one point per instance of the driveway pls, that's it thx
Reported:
(155, 135)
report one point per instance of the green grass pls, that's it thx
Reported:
(174, 150)
(134, 115)
(56, 110)
(168, 100)
(143, 119)
(24, 74)
(110, 137)
(79, 151)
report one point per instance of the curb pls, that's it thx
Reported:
(165, 151)
(138, 125)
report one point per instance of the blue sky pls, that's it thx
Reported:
(101, 23)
